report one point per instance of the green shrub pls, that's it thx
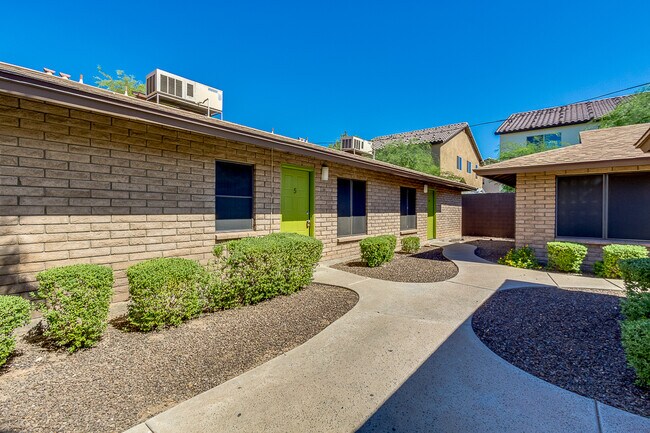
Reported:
(635, 336)
(565, 256)
(218, 250)
(164, 291)
(14, 312)
(612, 254)
(378, 250)
(636, 306)
(411, 244)
(636, 274)
(75, 304)
(599, 269)
(523, 257)
(258, 268)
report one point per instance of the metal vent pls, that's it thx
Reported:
(190, 90)
(163, 83)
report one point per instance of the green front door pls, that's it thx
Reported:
(431, 215)
(295, 199)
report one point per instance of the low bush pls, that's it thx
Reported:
(251, 270)
(164, 292)
(565, 256)
(411, 244)
(378, 250)
(14, 312)
(636, 306)
(75, 302)
(635, 337)
(599, 268)
(612, 254)
(523, 257)
(636, 274)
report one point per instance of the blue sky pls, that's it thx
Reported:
(370, 68)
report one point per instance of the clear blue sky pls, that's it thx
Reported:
(369, 68)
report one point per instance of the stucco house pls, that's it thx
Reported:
(453, 148)
(89, 176)
(595, 193)
(554, 126)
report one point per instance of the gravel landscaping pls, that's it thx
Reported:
(491, 249)
(131, 376)
(568, 337)
(426, 266)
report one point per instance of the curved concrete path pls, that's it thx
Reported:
(403, 359)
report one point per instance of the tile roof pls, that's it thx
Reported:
(610, 147)
(580, 112)
(439, 134)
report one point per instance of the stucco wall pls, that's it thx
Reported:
(460, 145)
(80, 187)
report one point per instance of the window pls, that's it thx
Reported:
(609, 206)
(469, 167)
(546, 140)
(351, 207)
(408, 217)
(459, 163)
(233, 196)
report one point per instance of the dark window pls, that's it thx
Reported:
(408, 217)
(459, 163)
(580, 206)
(552, 140)
(628, 206)
(535, 139)
(233, 196)
(351, 207)
(469, 167)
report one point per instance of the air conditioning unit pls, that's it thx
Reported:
(170, 89)
(356, 145)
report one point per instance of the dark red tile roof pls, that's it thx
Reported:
(439, 134)
(580, 112)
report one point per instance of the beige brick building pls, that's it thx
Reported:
(87, 176)
(595, 193)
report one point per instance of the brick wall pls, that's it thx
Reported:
(80, 187)
(535, 212)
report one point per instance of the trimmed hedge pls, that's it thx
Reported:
(75, 303)
(411, 244)
(164, 292)
(523, 257)
(378, 250)
(565, 256)
(612, 254)
(14, 312)
(636, 273)
(251, 270)
(635, 336)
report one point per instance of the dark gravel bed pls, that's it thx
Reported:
(426, 266)
(568, 337)
(130, 376)
(491, 250)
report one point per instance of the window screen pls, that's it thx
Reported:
(629, 206)
(408, 217)
(469, 167)
(580, 206)
(351, 207)
(459, 163)
(233, 196)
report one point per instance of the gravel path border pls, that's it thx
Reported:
(426, 266)
(131, 376)
(568, 337)
(491, 249)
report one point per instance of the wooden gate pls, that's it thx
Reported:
(489, 215)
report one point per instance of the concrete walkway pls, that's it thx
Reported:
(403, 359)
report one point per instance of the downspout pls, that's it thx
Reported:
(272, 194)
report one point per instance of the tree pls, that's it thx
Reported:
(416, 156)
(336, 145)
(119, 84)
(631, 112)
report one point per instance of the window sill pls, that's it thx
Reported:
(226, 236)
(408, 232)
(346, 239)
(595, 241)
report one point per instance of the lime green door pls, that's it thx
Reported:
(431, 215)
(295, 198)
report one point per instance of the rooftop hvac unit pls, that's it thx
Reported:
(356, 145)
(170, 89)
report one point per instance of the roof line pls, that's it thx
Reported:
(487, 171)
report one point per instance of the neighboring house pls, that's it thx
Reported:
(453, 147)
(555, 126)
(89, 176)
(594, 193)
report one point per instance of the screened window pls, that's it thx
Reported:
(469, 167)
(351, 207)
(233, 196)
(408, 217)
(459, 163)
(608, 206)
(546, 140)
